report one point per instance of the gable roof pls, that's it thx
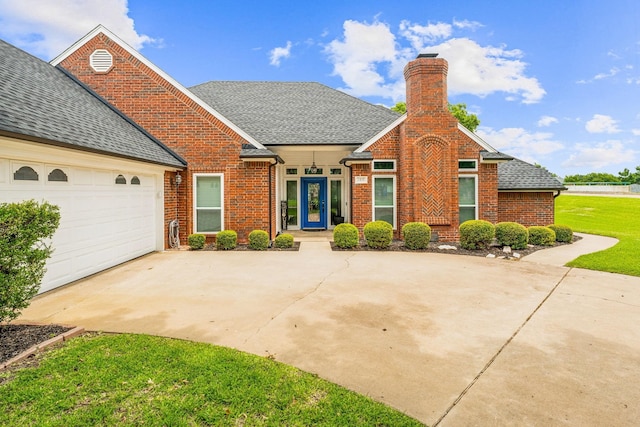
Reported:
(43, 104)
(100, 29)
(296, 113)
(517, 175)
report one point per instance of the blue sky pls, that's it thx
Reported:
(553, 82)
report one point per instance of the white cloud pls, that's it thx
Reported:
(47, 28)
(472, 25)
(636, 132)
(520, 143)
(546, 121)
(278, 53)
(601, 123)
(612, 72)
(600, 155)
(370, 58)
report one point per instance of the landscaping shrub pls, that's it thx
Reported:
(284, 241)
(196, 241)
(541, 236)
(23, 254)
(564, 233)
(226, 240)
(512, 234)
(259, 240)
(346, 236)
(416, 235)
(476, 234)
(378, 234)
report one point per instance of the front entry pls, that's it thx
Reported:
(314, 203)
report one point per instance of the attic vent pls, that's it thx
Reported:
(101, 61)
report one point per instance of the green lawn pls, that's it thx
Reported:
(105, 379)
(617, 217)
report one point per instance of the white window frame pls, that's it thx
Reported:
(395, 198)
(475, 182)
(475, 168)
(195, 207)
(373, 166)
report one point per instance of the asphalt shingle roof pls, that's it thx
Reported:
(519, 175)
(40, 101)
(296, 113)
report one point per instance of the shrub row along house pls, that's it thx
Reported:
(125, 150)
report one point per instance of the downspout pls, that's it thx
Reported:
(350, 192)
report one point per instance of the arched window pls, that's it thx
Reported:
(25, 173)
(58, 175)
(121, 179)
(135, 180)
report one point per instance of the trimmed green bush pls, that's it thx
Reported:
(541, 236)
(284, 241)
(476, 234)
(346, 236)
(196, 241)
(226, 240)
(258, 240)
(512, 234)
(23, 252)
(564, 233)
(378, 234)
(416, 235)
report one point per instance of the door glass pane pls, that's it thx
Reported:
(336, 203)
(467, 191)
(208, 192)
(313, 198)
(292, 202)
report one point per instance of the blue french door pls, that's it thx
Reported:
(314, 203)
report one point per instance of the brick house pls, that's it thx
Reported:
(273, 156)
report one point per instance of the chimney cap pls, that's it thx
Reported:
(427, 55)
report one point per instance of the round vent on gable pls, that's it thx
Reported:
(101, 61)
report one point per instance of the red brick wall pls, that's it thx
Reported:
(206, 143)
(526, 208)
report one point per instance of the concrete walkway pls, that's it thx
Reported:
(448, 339)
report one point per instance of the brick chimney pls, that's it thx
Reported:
(426, 78)
(429, 147)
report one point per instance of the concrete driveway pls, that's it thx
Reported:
(449, 340)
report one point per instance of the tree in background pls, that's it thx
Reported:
(466, 119)
(592, 177)
(630, 177)
(24, 227)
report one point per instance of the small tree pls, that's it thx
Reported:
(24, 227)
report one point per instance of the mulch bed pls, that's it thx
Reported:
(212, 247)
(434, 247)
(14, 339)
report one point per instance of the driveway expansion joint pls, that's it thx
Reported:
(504, 346)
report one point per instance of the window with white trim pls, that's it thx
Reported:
(208, 203)
(468, 165)
(384, 199)
(384, 165)
(468, 197)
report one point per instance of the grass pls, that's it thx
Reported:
(617, 217)
(102, 379)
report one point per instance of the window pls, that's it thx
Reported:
(292, 171)
(384, 165)
(120, 179)
(335, 171)
(467, 200)
(384, 200)
(57, 175)
(468, 165)
(135, 180)
(25, 173)
(309, 171)
(292, 203)
(208, 201)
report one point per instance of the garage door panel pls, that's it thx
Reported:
(102, 223)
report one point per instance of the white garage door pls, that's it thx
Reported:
(107, 216)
